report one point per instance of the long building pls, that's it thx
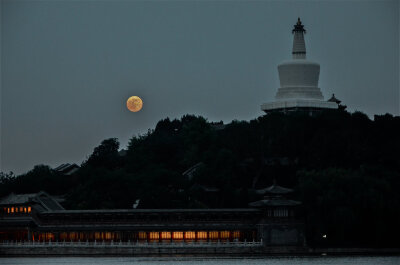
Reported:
(273, 220)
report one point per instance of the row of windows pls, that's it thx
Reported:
(143, 236)
(278, 213)
(17, 209)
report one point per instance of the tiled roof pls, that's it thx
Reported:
(274, 189)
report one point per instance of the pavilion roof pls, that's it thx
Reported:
(274, 189)
(274, 202)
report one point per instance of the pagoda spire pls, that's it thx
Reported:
(299, 46)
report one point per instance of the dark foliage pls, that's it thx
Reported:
(344, 167)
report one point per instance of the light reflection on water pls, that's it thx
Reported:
(209, 261)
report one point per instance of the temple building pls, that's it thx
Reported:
(299, 81)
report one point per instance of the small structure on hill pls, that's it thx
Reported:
(67, 169)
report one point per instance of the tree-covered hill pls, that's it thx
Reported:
(344, 167)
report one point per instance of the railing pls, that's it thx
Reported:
(128, 244)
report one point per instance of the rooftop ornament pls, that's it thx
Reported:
(298, 27)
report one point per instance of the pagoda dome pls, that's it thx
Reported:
(298, 80)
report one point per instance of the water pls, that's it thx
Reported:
(209, 261)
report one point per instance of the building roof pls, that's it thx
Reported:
(41, 201)
(274, 202)
(67, 169)
(17, 198)
(274, 189)
(334, 99)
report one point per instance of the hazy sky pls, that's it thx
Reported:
(67, 67)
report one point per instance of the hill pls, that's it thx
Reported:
(344, 167)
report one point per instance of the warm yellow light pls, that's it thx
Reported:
(190, 235)
(201, 235)
(178, 235)
(134, 104)
(12, 209)
(29, 209)
(165, 235)
(142, 235)
(236, 234)
(154, 235)
(213, 234)
(224, 234)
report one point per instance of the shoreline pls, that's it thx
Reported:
(188, 251)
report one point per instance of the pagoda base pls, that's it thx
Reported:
(298, 105)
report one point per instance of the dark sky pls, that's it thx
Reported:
(67, 67)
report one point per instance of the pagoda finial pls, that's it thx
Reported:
(299, 27)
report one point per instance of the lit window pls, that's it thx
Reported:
(8, 210)
(12, 209)
(142, 235)
(24, 209)
(177, 235)
(224, 234)
(49, 236)
(29, 209)
(73, 235)
(16, 209)
(201, 235)
(109, 235)
(213, 234)
(21, 209)
(236, 234)
(165, 235)
(63, 236)
(190, 235)
(154, 235)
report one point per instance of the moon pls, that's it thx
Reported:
(134, 103)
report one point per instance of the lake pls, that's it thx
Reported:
(325, 260)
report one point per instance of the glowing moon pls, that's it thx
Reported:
(134, 104)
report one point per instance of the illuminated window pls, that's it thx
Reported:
(142, 235)
(213, 234)
(12, 209)
(202, 235)
(165, 235)
(190, 235)
(97, 236)
(49, 236)
(16, 209)
(63, 236)
(224, 234)
(236, 234)
(73, 236)
(109, 235)
(154, 235)
(178, 235)
(29, 209)
(21, 209)
(8, 210)
(24, 209)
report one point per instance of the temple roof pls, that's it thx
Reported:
(334, 99)
(274, 202)
(40, 200)
(274, 189)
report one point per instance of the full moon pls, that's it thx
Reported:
(134, 104)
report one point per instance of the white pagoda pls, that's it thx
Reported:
(299, 81)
